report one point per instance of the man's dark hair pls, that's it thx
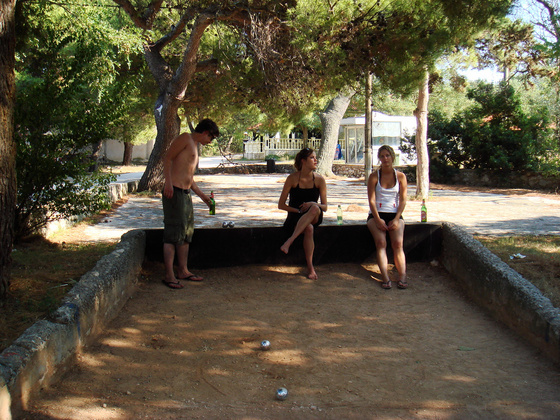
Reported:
(207, 125)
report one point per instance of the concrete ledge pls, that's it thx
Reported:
(43, 351)
(118, 190)
(347, 243)
(508, 296)
(101, 292)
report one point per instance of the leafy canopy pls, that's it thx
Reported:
(71, 65)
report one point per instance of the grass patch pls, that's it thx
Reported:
(541, 265)
(42, 273)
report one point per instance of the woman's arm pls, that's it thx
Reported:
(284, 196)
(372, 182)
(322, 193)
(401, 179)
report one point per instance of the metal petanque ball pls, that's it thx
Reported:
(281, 394)
(231, 224)
(265, 345)
(225, 224)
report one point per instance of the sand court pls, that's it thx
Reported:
(341, 345)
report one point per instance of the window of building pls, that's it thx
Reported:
(386, 133)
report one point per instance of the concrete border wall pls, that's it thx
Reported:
(509, 297)
(45, 349)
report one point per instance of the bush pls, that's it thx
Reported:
(496, 134)
(492, 134)
(54, 183)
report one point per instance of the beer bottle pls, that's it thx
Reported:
(423, 212)
(339, 215)
(212, 210)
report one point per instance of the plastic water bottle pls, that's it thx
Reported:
(212, 210)
(339, 215)
(423, 212)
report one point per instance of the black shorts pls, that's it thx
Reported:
(387, 217)
(293, 218)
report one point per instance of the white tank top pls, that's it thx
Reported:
(387, 199)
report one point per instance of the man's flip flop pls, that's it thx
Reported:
(173, 284)
(193, 277)
(402, 284)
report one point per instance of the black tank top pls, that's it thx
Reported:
(298, 195)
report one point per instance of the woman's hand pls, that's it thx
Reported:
(305, 206)
(393, 224)
(381, 225)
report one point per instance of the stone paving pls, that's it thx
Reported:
(251, 200)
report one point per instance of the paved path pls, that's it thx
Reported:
(251, 200)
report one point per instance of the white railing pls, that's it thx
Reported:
(259, 149)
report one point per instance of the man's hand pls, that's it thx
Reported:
(168, 190)
(206, 199)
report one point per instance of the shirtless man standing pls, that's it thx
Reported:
(179, 165)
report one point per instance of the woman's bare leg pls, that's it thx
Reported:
(312, 216)
(397, 236)
(309, 247)
(380, 239)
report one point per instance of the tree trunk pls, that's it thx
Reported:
(8, 184)
(168, 127)
(423, 166)
(172, 88)
(330, 122)
(305, 132)
(95, 155)
(368, 158)
(127, 154)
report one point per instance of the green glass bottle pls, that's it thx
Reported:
(339, 215)
(212, 210)
(423, 212)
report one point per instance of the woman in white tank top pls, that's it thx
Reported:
(387, 190)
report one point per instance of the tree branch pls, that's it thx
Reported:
(144, 20)
(552, 15)
(176, 29)
(207, 65)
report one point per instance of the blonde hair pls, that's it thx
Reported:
(388, 149)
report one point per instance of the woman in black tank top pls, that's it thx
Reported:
(305, 189)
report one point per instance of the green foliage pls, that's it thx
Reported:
(395, 41)
(71, 89)
(54, 183)
(494, 133)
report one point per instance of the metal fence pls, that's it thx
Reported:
(266, 146)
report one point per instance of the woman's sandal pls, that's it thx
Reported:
(402, 284)
(387, 285)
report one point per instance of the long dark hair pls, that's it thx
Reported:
(302, 154)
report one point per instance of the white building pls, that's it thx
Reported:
(386, 129)
(113, 150)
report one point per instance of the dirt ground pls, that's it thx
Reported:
(342, 346)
